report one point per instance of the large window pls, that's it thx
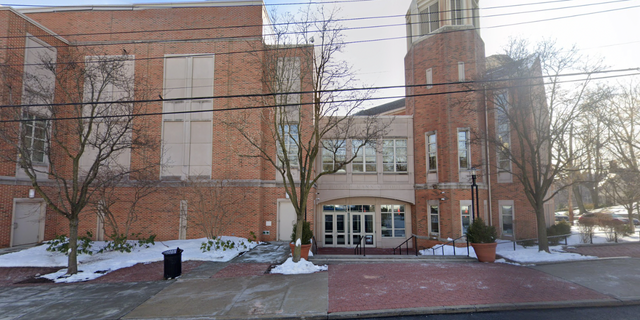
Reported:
(429, 19)
(290, 138)
(334, 154)
(187, 137)
(393, 221)
(503, 131)
(464, 160)
(432, 152)
(394, 155)
(434, 218)
(34, 137)
(457, 17)
(365, 160)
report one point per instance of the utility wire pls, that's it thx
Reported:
(269, 106)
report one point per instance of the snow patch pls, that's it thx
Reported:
(302, 267)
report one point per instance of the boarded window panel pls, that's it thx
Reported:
(200, 153)
(173, 151)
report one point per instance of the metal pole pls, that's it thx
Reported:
(473, 209)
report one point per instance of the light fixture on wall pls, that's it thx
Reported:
(32, 193)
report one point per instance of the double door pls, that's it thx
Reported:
(348, 228)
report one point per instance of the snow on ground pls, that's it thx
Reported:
(98, 264)
(303, 266)
(531, 254)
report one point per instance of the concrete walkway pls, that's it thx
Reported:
(241, 289)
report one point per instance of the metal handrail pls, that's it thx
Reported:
(415, 245)
(453, 242)
(357, 250)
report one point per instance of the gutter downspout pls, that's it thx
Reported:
(486, 144)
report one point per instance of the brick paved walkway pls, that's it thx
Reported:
(360, 287)
(631, 249)
(242, 270)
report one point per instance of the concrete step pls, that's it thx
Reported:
(328, 259)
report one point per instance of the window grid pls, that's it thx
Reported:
(394, 155)
(507, 220)
(456, 12)
(429, 19)
(461, 74)
(393, 223)
(331, 160)
(503, 132)
(365, 160)
(290, 138)
(434, 222)
(465, 218)
(35, 137)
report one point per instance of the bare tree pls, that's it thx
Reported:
(76, 115)
(623, 120)
(534, 110)
(313, 91)
(214, 205)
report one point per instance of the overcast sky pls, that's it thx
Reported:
(608, 29)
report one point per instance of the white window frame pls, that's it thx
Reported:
(457, 12)
(394, 153)
(461, 74)
(340, 155)
(432, 150)
(501, 205)
(429, 78)
(430, 205)
(467, 149)
(291, 142)
(475, 14)
(467, 204)
(30, 138)
(361, 156)
(393, 223)
(430, 18)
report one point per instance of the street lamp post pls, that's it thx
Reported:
(475, 201)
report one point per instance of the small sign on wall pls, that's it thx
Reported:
(368, 239)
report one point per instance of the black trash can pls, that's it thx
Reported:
(172, 263)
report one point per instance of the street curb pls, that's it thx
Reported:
(480, 308)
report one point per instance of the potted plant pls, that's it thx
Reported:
(306, 239)
(483, 240)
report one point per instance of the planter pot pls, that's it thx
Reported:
(304, 250)
(486, 252)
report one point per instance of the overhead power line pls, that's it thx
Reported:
(303, 92)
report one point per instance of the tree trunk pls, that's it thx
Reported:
(578, 195)
(543, 243)
(73, 246)
(570, 204)
(630, 217)
(595, 198)
(298, 239)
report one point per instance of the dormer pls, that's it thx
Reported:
(426, 17)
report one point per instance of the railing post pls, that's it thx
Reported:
(467, 247)
(454, 247)
(415, 244)
(514, 244)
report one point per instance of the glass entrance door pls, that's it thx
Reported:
(345, 225)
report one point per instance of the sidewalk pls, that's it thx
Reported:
(240, 289)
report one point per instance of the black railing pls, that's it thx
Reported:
(415, 245)
(453, 243)
(535, 240)
(360, 249)
(314, 245)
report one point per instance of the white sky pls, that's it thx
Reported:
(613, 35)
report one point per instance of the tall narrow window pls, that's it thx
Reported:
(429, 78)
(290, 138)
(365, 160)
(461, 74)
(394, 155)
(506, 212)
(475, 11)
(409, 30)
(457, 17)
(503, 131)
(464, 160)
(182, 227)
(434, 218)
(187, 137)
(393, 222)
(465, 216)
(334, 154)
(429, 19)
(34, 137)
(432, 152)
